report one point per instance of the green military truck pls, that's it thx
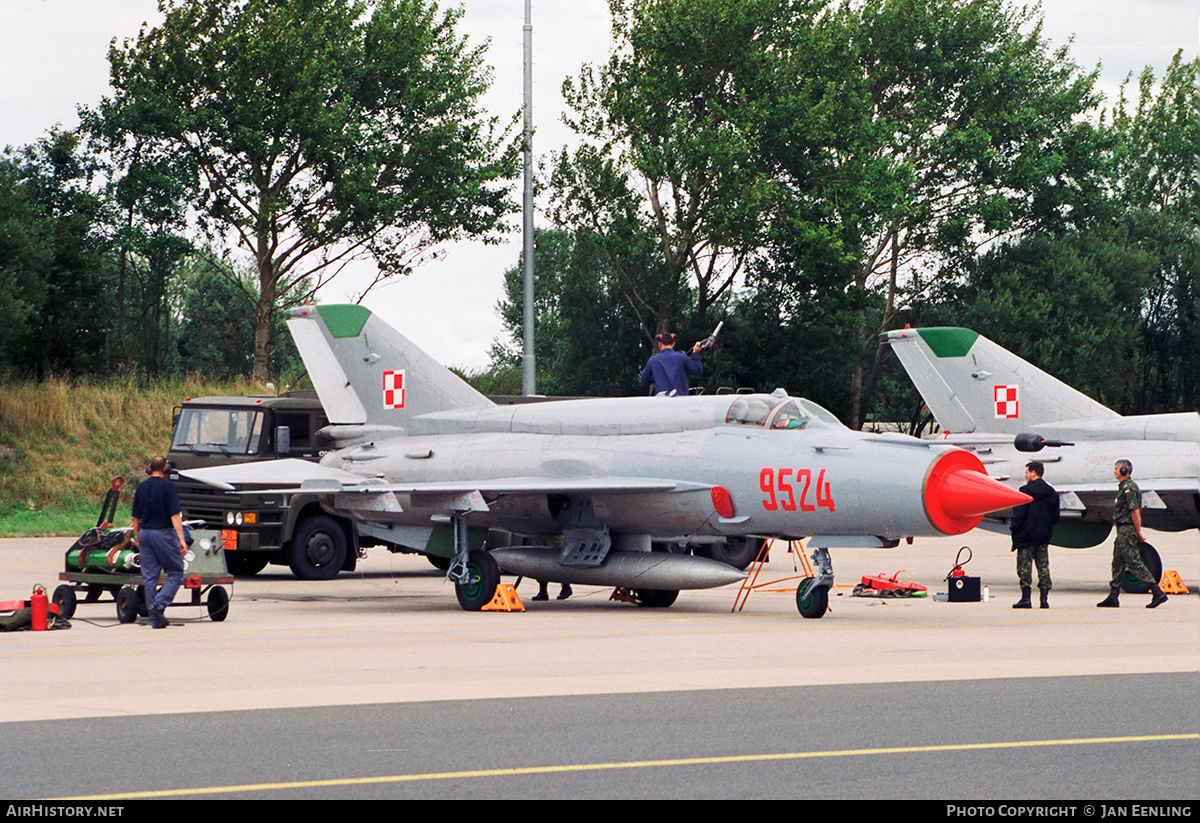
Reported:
(260, 528)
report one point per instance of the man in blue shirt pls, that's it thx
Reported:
(158, 528)
(668, 370)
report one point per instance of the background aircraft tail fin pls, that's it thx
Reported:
(366, 372)
(972, 384)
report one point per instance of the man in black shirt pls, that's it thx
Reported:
(1032, 527)
(158, 527)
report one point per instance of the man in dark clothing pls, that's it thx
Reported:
(668, 370)
(1032, 525)
(158, 527)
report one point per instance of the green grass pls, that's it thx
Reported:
(61, 442)
(52, 522)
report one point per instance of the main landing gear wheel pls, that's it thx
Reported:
(815, 603)
(318, 549)
(483, 576)
(737, 552)
(64, 598)
(1153, 564)
(656, 598)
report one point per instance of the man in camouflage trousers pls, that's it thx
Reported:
(1032, 527)
(1127, 516)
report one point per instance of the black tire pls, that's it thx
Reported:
(64, 598)
(815, 604)
(737, 552)
(127, 605)
(480, 588)
(218, 604)
(656, 598)
(1153, 564)
(245, 564)
(318, 549)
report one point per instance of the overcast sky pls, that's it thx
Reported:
(53, 57)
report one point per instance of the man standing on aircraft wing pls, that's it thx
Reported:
(669, 369)
(1032, 526)
(1127, 515)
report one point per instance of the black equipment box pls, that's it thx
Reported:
(964, 589)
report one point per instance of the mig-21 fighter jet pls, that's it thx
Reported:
(609, 491)
(1003, 408)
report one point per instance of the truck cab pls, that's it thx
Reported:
(260, 528)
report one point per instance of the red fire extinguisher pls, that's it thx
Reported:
(39, 607)
(958, 571)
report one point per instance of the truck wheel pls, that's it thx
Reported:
(245, 564)
(318, 549)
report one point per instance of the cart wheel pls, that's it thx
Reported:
(218, 604)
(127, 605)
(64, 598)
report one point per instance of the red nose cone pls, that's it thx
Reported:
(958, 493)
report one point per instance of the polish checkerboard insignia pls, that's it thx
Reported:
(393, 389)
(1006, 401)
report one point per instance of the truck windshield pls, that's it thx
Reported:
(229, 431)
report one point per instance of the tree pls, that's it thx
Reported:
(218, 322)
(839, 157)
(320, 131)
(25, 253)
(586, 338)
(1070, 304)
(217, 332)
(667, 181)
(910, 133)
(52, 248)
(1157, 176)
(147, 192)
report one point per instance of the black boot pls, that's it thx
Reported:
(1045, 599)
(1023, 603)
(1158, 599)
(1111, 601)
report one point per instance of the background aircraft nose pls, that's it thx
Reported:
(958, 493)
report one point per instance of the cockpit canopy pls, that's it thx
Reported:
(784, 413)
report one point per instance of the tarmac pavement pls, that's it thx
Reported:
(392, 632)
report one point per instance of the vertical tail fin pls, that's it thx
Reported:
(366, 372)
(972, 384)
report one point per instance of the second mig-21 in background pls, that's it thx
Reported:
(1007, 411)
(621, 492)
